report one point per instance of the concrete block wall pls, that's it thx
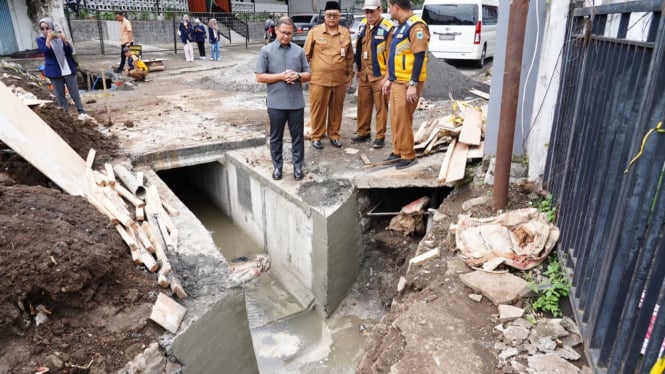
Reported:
(313, 250)
(145, 32)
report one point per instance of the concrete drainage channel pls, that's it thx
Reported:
(315, 257)
(313, 233)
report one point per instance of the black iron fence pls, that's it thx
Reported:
(612, 212)
(156, 29)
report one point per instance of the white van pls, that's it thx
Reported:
(462, 29)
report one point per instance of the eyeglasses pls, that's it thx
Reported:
(287, 33)
(44, 27)
(331, 15)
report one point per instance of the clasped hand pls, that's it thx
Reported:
(290, 76)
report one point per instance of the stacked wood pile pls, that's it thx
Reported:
(460, 134)
(140, 217)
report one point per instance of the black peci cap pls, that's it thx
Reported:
(332, 5)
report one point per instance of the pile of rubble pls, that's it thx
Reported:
(546, 346)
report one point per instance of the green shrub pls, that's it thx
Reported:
(550, 291)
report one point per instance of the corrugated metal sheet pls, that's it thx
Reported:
(7, 38)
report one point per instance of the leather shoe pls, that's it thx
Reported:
(378, 143)
(317, 144)
(336, 142)
(297, 173)
(277, 174)
(392, 157)
(360, 138)
(403, 164)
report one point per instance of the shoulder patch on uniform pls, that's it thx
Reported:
(420, 35)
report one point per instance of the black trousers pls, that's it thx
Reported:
(202, 48)
(296, 120)
(123, 59)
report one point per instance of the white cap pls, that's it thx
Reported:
(372, 4)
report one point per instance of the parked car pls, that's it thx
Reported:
(302, 23)
(462, 29)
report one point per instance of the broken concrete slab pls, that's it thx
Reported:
(476, 297)
(515, 335)
(509, 313)
(498, 288)
(548, 328)
(551, 363)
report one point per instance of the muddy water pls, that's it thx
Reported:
(286, 338)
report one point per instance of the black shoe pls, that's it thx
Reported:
(297, 173)
(277, 174)
(360, 138)
(403, 164)
(392, 157)
(317, 144)
(378, 143)
(337, 143)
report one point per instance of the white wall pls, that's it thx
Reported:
(547, 88)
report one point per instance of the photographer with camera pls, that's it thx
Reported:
(60, 65)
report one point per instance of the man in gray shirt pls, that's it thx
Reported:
(283, 66)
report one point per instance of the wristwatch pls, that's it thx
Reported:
(299, 76)
(413, 83)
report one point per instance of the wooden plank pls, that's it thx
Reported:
(170, 209)
(457, 165)
(365, 159)
(28, 135)
(423, 130)
(90, 160)
(109, 173)
(167, 313)
(122, 191)
(131, 243)
(140, 213)
(443, 171)
(472, 128)
(482, 94)
(477, 151)
(433, 134)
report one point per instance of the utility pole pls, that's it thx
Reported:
(509, 99)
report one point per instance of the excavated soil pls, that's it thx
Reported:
(63, 260)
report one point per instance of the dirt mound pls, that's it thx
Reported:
(444, 79)
(64, 264)
(57, 251)
(80, 135)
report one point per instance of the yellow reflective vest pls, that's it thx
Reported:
(379, 50)
(401, 58)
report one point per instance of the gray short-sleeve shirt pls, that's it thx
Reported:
(275, 58)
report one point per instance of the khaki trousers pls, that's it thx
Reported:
(370, 97)
(138, 74)
(401, 119)
(325, 102)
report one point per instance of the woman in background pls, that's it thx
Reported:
(59, 65)
(186, 32)
(200, 37)
(213, 35)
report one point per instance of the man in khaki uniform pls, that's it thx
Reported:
(371, 56)
(126, 37)
(330, 54)
(407, 71)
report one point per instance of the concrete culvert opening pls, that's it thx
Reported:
(379, 206)
(290, 332)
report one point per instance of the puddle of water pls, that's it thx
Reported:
(286, 338)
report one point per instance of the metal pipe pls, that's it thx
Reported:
(509, 99)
